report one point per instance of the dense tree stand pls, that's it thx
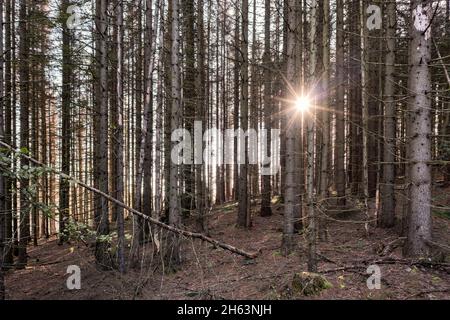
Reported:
(153, 138)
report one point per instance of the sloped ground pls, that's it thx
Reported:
(210, 273)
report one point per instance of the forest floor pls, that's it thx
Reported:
(210, 273)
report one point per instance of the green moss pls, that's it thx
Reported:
(308, 283)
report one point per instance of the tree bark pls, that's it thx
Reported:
(200, 116)
(101, 134)
(66, 93)
(3, 211)
(325, 103)
(236, 94)
(355, 97)
(419, 104)
(387, 216)
(189, 97)
(119, 143)
(174, 209)
(290, 193)
(339, 167)
(266, 193)
(24, 226)
(244, 217)
(9, 186)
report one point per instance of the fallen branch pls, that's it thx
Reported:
(428, 291)
(365, 263)
(438, 245)
(151, 220)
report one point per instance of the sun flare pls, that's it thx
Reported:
(302, 104)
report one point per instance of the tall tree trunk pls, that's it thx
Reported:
(339, 167)
(298, 125)
(355, 97)
(189, 96)
(66, 94)
(144, 161)
(118, 137)
(325, 103)
(266, 186)
(200, 116)
(138, 129)
(419, 104)
(236, 67)
(145, 167)
(253, 111)
(244, 218)
(365, 108)
(24, 235)
(290, 194)
(9, 187)
(174, 204)
(387, 217)
(167, 55)
(315, 41)
(3, 211)
(373, 97)
(101, 134)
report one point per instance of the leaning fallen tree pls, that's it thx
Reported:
(195, 235)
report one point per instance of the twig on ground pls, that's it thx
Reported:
(427, 292)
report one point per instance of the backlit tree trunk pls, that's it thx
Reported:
(339, 168)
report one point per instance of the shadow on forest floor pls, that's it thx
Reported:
(210, 273)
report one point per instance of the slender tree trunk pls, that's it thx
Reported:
(200, 116)
(253, 111)
(365, 111)
(157, 212)
(387, 217)
(8, 253)
(3, 207)
(237, 61)
(355, 97)
(189, 96)
(339, 168)
(244, 218)
(138, 133)
(145, 175)
(24, 235)
(174, 209)
(266, 186)
(419, 104)
(101, 134)
(66, 120)
(290, 195)
(325, 103)
(168, 105)
(315, 41)
(145, 149)
(373, 97)
(119, 143)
